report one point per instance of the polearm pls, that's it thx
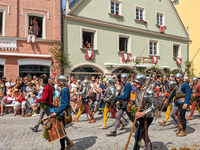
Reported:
(174, 87)
(139, 108)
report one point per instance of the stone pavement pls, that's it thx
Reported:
(15, 134)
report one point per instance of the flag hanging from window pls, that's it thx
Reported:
(89, 54)
(178, 60)
(125, 57)
(154, 59)
(162, 29)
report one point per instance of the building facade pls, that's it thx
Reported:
(108, 36)
(17, 56)
(188, 11)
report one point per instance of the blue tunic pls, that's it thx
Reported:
(65, 101)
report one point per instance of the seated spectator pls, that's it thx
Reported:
(18, 85)
(34, 106)
(74, 101)
(29, 89)
(8, 84)
(20, 100)
(8, 96)
(31, 37)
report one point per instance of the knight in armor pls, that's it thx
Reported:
(195, 97)
(84, 96)
(169, 104)
(147, 112)
(63, 105)
(181, 100)
(110, 94)
(123, 99)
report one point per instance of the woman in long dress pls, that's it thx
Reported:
(35, 27)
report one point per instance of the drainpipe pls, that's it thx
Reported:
(62, 41)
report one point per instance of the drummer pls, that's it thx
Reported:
(63, 105)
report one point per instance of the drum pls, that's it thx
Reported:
(54, 130)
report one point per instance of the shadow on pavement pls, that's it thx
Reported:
(84, 143)
(160, 145)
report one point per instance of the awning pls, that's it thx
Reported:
(131, 65)
(25, 55)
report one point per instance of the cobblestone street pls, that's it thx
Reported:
(15, 134)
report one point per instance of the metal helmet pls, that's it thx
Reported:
(85, 82)
(62, 80)
(195, 80)
(151, 79)
(110, 81)
(179, 75)
(141, 79)
(125, 77)
(172, 83)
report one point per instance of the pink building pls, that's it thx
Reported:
(17, 56)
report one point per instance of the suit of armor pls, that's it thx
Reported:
(84, 94)
(110, 95)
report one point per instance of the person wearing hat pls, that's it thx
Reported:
(46, 100)
(183, 95)
(20, 100)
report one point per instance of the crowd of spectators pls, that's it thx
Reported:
(25, 90)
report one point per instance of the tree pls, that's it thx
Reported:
(167, 72)
(60, 58)
(190, 69)
(141, 70)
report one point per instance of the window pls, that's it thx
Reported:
(176, 51)
(139, 13)
(1, 71)
(2, 22)
(160, 19)
(114, 8)
(38, 24)
(88, 38)
(153, 47)
(123, 44)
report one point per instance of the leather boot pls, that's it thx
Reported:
(180, 128)
(112, 133)
(162, 123)
(34, 129)
(103, 127)
(189, 118)
(92, 120)
(70, 144)
(121, 126)
(183, 133)
(75, 120)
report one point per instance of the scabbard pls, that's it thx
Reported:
(146, 132)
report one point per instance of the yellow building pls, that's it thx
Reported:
(189, 13)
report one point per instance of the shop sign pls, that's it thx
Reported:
(8, 44)
(142, 60)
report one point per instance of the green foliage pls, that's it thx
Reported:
(43, 106)
(171, 106)
(167, 72)
(140, 143)
(190, 69)
(133, 111)
(44, 135)
(141, 70)
(61, 60)
(154, 67)
(34, 112)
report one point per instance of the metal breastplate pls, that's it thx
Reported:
(138, 99)
(122, 90)
(178, 91)
(194, 90)
(110, 93)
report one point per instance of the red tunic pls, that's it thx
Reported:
(47, 95)
(21, 99)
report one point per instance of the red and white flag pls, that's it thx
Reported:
(178, 60)
(154, 59)
(89, 54)
(162, 29)
(125, 57)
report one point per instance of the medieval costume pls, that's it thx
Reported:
(109, 95)
(147, 112)
(63, 105)
(45, 102)
(123, 99)
(195, 97)
(84, 94)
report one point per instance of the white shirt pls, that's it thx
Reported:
(74, 87)
(8, 84)
(57, 90)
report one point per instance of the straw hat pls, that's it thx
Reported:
(16, 90)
